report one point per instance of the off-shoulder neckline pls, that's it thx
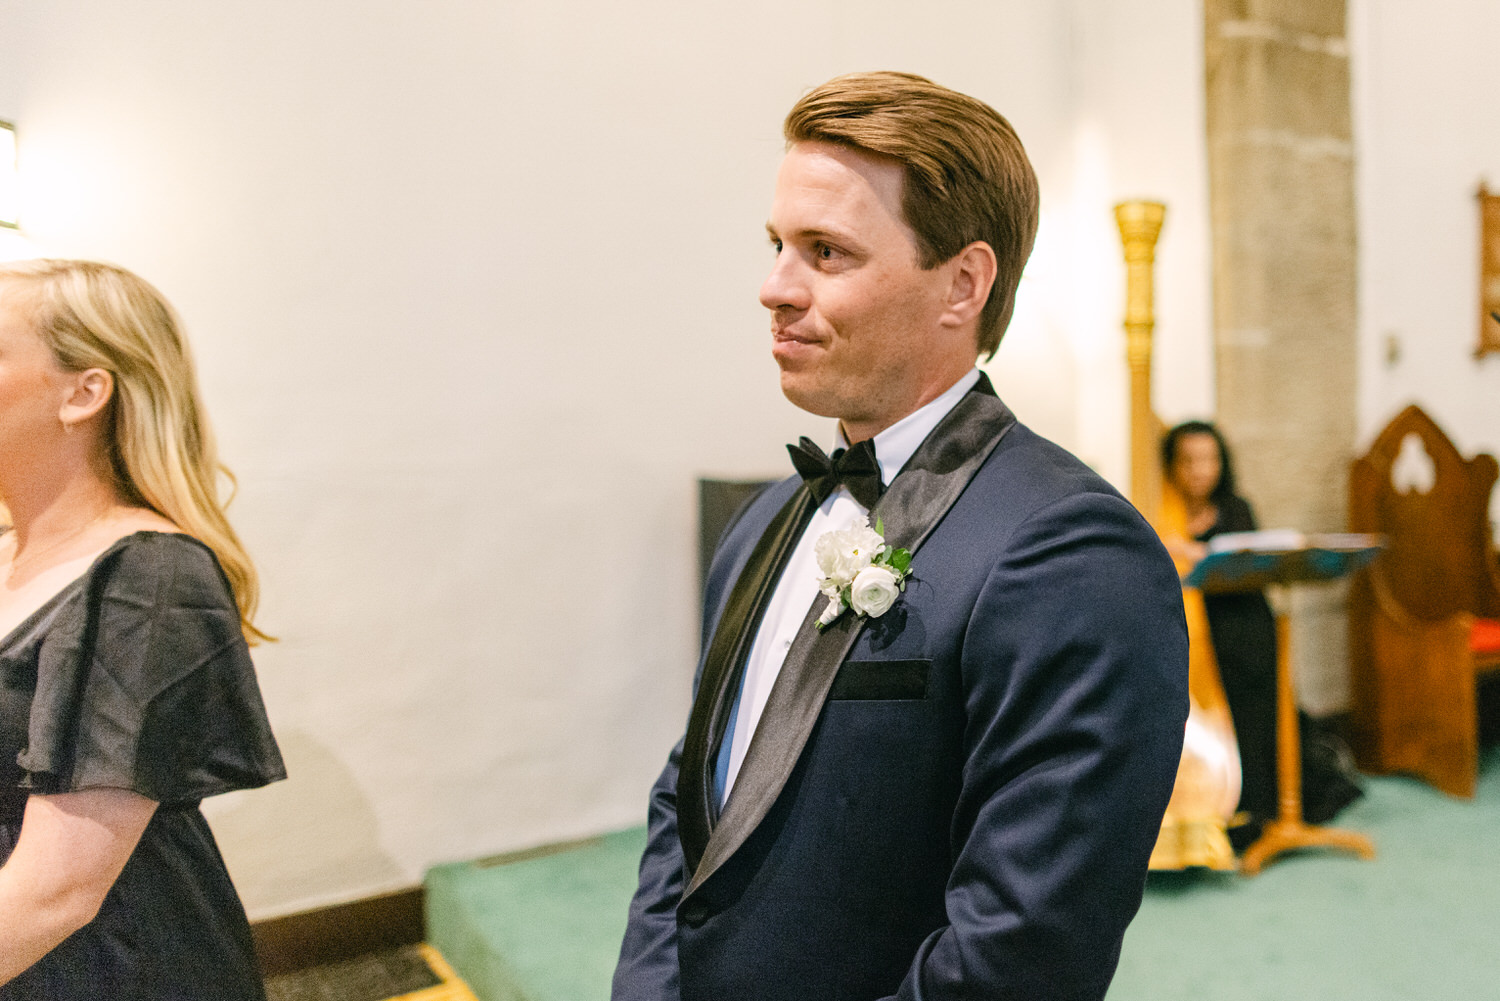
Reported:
(57, 597)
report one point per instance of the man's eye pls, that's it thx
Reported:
(825, 252)
(776, 246)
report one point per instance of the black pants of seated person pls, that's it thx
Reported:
(1244, 638)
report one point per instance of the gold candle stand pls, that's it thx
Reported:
(1140, 225)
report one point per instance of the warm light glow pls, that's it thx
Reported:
(15, 247)
(9, 182)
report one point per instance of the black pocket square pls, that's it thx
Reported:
(881, 679)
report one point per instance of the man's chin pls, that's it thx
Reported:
(814, 399)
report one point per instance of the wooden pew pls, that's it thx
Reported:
(1425, 617)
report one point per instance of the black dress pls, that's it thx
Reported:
(136, 676)
(1243, 629)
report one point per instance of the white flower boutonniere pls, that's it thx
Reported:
(860, 571)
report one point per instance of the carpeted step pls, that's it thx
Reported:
(1418, 922)
(541, 925)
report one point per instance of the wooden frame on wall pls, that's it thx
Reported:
(1489, 272)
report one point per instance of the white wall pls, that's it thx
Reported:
(1426, 102)
(473, 291)
(1138, 132)
(1132, 128)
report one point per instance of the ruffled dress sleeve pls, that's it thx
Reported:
(147, 685)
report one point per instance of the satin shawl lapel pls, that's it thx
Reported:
(697, 807)
(917, 500)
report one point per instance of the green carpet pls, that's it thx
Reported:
(1419, 923)
(540, 928)
(1422, 921)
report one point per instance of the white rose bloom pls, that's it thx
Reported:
(842, 555)
(832, 552)
(833, 610)
(874, 591)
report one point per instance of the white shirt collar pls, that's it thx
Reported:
(895, 445)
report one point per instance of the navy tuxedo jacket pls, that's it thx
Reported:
(955, 800)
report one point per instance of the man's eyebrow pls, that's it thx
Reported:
(813, 233)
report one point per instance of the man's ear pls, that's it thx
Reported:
(91, 392)
(973, 269)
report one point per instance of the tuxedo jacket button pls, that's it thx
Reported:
(694, 913)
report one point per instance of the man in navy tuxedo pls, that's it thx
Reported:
(955, 797)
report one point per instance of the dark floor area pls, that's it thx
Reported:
(375, 977)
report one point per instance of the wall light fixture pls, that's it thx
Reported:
(10, 182)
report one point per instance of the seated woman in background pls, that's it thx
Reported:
(126, 690)
(1197, 463)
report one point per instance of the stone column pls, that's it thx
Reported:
(1281, 176)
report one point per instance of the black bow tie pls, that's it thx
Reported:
(854, 467)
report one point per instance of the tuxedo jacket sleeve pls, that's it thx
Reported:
(1074, 692)
(647, 968)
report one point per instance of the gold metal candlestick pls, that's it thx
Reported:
(1140, 225)
(1208, 776)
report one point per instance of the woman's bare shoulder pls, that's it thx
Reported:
(140, 519)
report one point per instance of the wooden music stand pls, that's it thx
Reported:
(1322, 558)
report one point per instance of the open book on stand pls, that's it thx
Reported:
(1250, 561)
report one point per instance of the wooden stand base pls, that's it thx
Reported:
(1288, 832)
(1290, 835)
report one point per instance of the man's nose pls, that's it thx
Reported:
(784, 287)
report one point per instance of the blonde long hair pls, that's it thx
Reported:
(160, 447)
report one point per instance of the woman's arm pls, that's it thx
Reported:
(1185, 551)
(71, 850)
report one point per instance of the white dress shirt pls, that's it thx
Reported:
(798, 586)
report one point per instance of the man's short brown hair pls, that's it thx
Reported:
(967, 175)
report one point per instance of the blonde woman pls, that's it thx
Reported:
(126, 690)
